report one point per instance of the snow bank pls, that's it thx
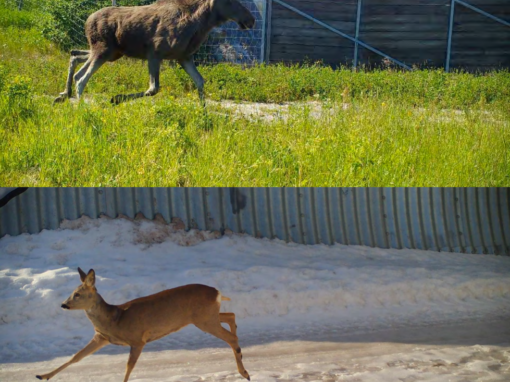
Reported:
(271, 283)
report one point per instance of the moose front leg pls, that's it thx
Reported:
(189, 67)
(94, 345)
(154, 67)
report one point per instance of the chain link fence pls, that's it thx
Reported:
(64, 22)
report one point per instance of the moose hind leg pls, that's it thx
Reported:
(77, 57)
(214, 327)
(91, 66)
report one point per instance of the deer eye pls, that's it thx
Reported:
(77, 295)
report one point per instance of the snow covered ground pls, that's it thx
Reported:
(305, 313)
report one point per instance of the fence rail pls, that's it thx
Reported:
(469, 220)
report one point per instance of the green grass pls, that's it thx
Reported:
(421, 128)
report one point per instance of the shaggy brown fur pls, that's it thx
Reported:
(165, 30)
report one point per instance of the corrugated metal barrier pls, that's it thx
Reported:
(470, 220)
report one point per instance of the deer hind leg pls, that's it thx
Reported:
(230, 319)
(214, 327)
(77, 57)
(94, 345)
(133, 357)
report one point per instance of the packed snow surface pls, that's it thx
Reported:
(305, 313)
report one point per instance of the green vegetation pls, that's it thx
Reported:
(373, 128)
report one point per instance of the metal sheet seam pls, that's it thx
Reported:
(452, 219)
(395, 214)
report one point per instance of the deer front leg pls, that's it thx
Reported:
(94, 345)
(133, 357)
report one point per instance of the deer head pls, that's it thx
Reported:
(84, 296)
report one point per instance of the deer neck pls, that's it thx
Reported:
(103, 316)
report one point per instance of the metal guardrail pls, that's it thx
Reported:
(469, 220)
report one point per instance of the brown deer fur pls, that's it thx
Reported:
(165, 30)
(147, 319)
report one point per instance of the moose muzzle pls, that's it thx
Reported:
(248, 23)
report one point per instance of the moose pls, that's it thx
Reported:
(149, 318)
(164, 30)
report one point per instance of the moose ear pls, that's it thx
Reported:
(82, 274)
(90, 279)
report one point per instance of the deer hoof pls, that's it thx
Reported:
(38, 377)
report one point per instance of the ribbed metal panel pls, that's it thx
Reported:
(470, 220)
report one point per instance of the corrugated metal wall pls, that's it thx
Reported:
(472, 220)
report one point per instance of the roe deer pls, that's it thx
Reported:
(147, 319)
(164, 30)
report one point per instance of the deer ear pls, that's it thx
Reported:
(90, 279)
(82, 274)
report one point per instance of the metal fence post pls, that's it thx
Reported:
(358, 21)
(267, 37)
(450, 32)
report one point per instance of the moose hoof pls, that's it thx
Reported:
(150, 92)
(117, 99)
(60, 99)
